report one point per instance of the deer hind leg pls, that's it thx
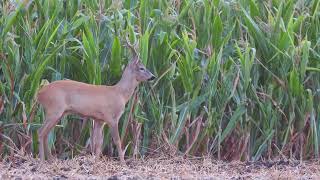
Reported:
(97, 138)
(47, 150)
(116, 139)
(51, 119)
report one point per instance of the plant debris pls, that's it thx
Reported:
(84, 167)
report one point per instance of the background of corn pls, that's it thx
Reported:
(236, 79)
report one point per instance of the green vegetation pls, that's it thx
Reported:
(236, 79)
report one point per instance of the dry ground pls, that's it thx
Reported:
(89, 167)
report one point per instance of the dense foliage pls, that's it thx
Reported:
(236, 79)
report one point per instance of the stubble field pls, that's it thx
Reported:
(89, 167)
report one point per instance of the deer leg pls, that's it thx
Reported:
(51, 120)
(97, 138)
(47, 150)
(116, 139)
(41, 146)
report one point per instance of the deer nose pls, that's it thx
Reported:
(152, 78)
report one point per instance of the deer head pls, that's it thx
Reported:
(138, 70)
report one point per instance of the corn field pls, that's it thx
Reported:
(236, 79)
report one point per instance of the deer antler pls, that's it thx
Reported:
(132, 47)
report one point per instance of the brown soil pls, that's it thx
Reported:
(89, 167)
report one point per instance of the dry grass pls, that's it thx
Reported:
(89, 167)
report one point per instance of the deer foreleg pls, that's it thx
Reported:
(116, 139)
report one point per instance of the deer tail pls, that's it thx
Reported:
(36, 103)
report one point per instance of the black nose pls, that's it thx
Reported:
(152, 78)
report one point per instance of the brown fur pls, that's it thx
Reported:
(104, 104)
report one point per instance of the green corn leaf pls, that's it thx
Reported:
(254, 10)
(233, 121)
(256, 33)
(79, 22)
(217, 31)
(115, 63)
(52, 35)
(294, 83)
(305, 58)
(181, 123)
(144, 47)
(263, 146)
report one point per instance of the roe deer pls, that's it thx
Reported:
(104, 104)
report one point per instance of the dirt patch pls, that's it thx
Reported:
(89, 167)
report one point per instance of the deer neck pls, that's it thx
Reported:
(127, 85)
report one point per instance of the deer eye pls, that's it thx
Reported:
(141, 69)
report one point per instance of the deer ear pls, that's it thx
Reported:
(135, 60)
